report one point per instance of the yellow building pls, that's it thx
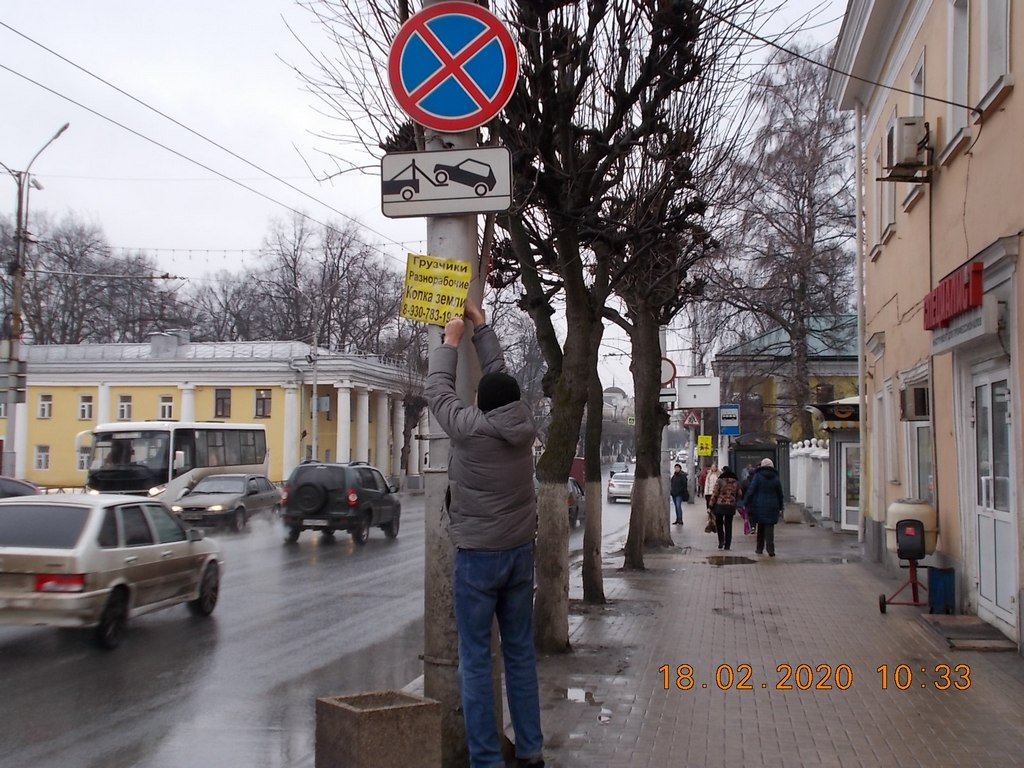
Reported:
(360, 405)
(938, 127)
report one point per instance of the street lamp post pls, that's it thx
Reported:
(15, 369)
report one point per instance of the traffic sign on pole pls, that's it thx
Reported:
(453, 66)
(692, 419)
(729, 420)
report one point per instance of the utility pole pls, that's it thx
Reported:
(16, 373)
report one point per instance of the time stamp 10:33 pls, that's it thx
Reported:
(822, 677)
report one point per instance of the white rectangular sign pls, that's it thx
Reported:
(967, 327)
(699, 392)
(446, 182)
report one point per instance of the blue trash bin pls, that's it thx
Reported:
(941, 590)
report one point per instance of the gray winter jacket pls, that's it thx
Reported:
(490, 464)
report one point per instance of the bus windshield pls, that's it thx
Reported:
(130, 461)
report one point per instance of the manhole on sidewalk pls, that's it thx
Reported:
(719, 560)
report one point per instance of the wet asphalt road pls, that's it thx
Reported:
(294, 622)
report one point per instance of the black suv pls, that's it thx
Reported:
(339, 497)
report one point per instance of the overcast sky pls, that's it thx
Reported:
(215, 66)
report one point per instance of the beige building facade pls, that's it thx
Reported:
(359, 412)
(941, 180)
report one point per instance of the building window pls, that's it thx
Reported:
(85, 407)
(45, 406)
(222, 404)
(42, 457)
(876, 208)
(82, 461)
(995, 45)
(888, 220)
(917, 89)
(892, 464)
(166, 407)
(959, 46)
(3, 406)
(124, 407)
(262, 403)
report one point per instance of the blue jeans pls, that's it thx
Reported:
(489, 584)
(678, 502)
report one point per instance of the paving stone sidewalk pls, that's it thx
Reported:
(743, 627)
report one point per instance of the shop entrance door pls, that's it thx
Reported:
(850, 486)
(994, 490)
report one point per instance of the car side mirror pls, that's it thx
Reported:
(393, 488)
(194, 534)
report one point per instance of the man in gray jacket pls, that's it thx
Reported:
(493, 511)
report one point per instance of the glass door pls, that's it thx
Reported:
(994, 489)
(850, 490)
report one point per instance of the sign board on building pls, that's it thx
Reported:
(435, 289)
(729, 420)
(959, 293)
(967, 326)
(698, 392)
(704, 445)
(453, 66)
(447, 182)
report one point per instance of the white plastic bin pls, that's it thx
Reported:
(912, 509)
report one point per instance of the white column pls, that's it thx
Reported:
(397, 435)
(423, 446)
(103, 404)
(292, 428)
(343, 449)
(416, 449)
(188, 402)
(381, 424)
(362, 420)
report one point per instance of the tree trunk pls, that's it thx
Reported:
(593, 574)
(551, 606)
(648, 522)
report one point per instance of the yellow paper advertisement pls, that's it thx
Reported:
(435, 289)
(704, 445)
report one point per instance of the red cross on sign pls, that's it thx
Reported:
(453, 66)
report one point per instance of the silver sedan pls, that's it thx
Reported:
(95, 560)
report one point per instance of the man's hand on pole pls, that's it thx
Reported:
(453, 332)
(474, 313)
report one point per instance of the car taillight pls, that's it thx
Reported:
(284, 495)
(60, 582)
(353, 497)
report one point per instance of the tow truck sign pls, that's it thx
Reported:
(446, 182)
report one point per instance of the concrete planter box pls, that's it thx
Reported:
(380, 729)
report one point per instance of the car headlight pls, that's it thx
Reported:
(176, 508)
(156, 490)
(215, 508)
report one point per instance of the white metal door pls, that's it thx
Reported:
(994, 492)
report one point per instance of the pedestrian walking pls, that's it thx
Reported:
(708, 485)
(679, 492)
(764, 501)
(493, 524)
(723, 504)
(748, 525)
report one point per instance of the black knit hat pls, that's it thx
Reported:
(496, 389)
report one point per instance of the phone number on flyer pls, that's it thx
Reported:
(819, 677)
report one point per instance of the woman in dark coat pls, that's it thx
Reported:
(723, 504)
(679, 492)
(764, 501)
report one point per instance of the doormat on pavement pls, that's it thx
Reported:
(968, 633)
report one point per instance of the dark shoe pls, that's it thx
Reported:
(721, 546)
(726, 549)
(771, 554)
(758, 551)
(534, 763)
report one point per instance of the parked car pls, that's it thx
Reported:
(577, 503)
(99, 560)
(228, 499)
(10, 486)
(339, 497)
(620, 485)
(617, 466)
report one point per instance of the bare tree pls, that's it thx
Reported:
(787, 261)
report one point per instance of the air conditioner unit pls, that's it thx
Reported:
(915, 403)
(906, 141)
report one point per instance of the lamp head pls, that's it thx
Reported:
(34, 183)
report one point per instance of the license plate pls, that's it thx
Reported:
(193, 518)
(315, 522)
